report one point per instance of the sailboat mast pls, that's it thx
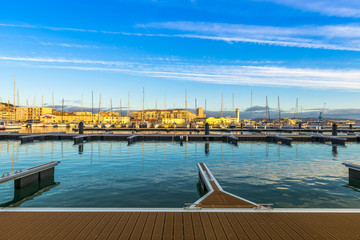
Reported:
(99, 109)
(205, 106)
(128, 108)
(233, 105)
(111, 113)
(143, 106)
(222, 100)
(185, 100)
(266, 109)
(14, 101)
(279, 109)
(251, 105)
(92, 106)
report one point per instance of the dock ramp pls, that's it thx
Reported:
(216, 197)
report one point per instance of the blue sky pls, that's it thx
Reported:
(289, 48)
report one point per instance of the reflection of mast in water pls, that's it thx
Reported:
(52, 150)
(278, 151)
(164, 152)
(221, 150)
(196, 151)
(232, 150)
(267, 151)
(12, 159)
(110, 150)
(185, 154)
(297, 152)
(99, 151)
(92, 152)
(143, 155)
(251, 152)
(62, 150)
(127, 154)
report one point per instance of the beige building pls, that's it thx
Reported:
(171, 116)
(27, 113)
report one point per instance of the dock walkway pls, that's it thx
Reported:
(216, 197)
(177, 224)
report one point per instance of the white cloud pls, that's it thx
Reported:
(332, 37)
(216, 74)
(68, 45)
(342, 8)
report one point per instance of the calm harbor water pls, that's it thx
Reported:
(153, 174)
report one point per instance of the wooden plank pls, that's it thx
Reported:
(252, 234)
(110, 225)
(31, 228)
(300, 227)
(168, 225)
(218, 229)
(188, 226)
(59, 227)
(311, 223)
(97, 230)
(13, 221)
(268, 226)
(159, 225)
(228, 229)
(255, 225)
(72, 224)
(45, 230)
(149, 226)
(80, 224)
(120, 225)
(90, 226)
(178, 226)
(198, 227)
(139, 227)
(284, 225)
(208, 227)
(239, 228)
(126, 233)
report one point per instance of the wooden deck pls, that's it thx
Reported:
(178, 225)
(216, 196)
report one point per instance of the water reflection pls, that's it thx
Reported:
(207, 148)
(334, 150)
(81, 148)
(30, 192)
(163, 174)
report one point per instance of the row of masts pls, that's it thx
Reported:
(267, 109)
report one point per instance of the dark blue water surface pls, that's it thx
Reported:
(153, 174)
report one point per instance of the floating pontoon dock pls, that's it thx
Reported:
(244, 220)
(216, 197)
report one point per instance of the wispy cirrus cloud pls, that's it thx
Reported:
(215, 74)
(68, 45)
(343, 8)
(332, 37)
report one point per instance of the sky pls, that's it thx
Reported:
(295, 49)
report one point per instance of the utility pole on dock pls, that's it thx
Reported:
(62, 111)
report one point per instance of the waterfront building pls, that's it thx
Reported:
(32, 113)
(166, 116)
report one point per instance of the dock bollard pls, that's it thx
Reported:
(207, 129)
(81, 128)
(334, 129)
